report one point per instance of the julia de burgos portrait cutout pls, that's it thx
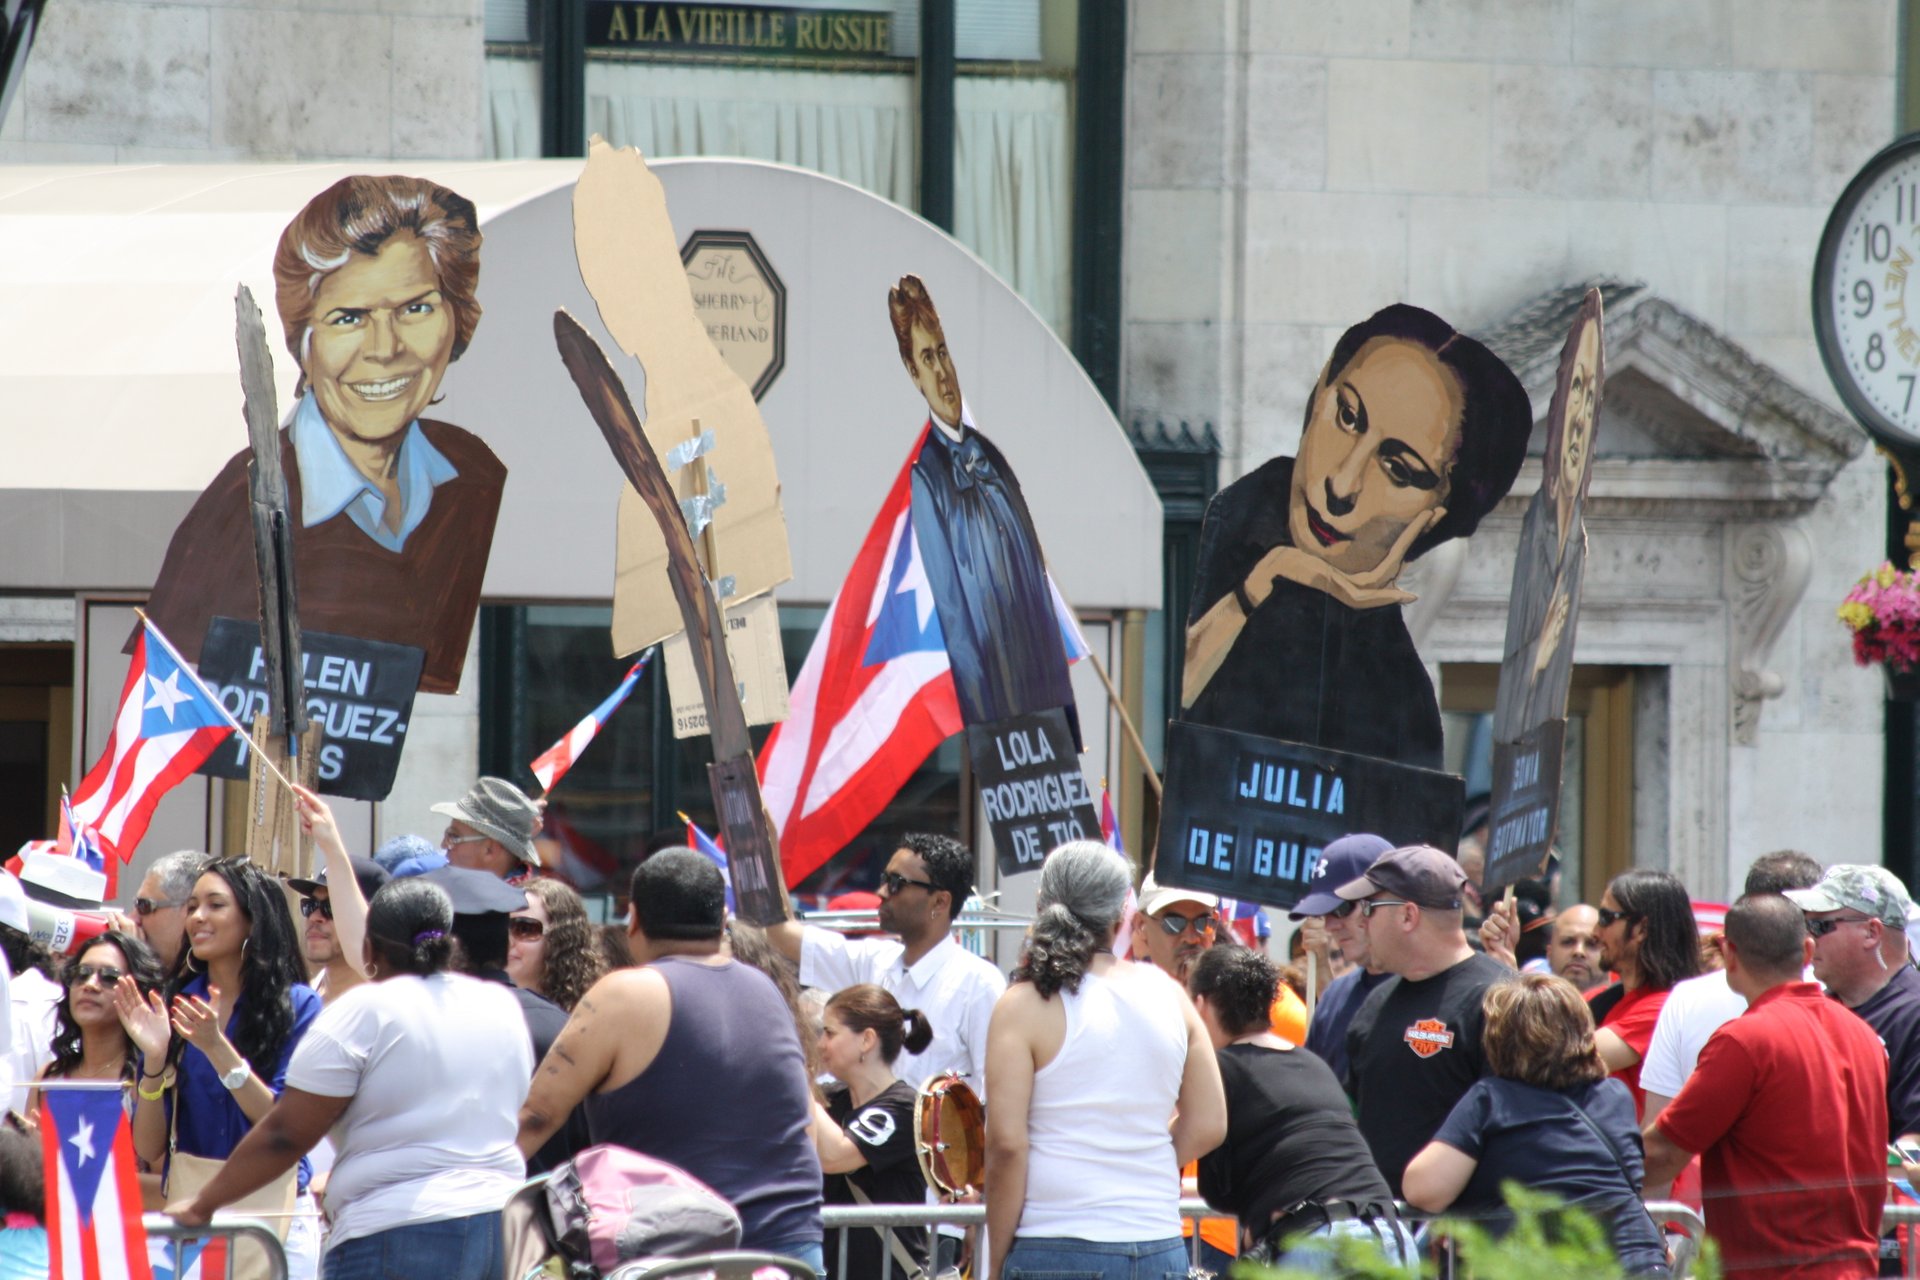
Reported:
(1306, 712)
(374, 283)
(996, 607)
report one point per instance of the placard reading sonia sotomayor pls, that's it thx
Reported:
(1031, 786)
(1525, 812)
(360, 691)
(1246, 816)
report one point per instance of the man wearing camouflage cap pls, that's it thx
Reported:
(492, 830)
(1858, 916)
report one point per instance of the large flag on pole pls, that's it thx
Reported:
(93, 1187)
(167, 725)
(553, 763)
(874, 697)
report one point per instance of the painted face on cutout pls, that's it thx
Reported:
(380, 340)
(932, 371)
(1377, 452)
(1583, 392)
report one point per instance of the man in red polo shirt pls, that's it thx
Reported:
(1788, 1108)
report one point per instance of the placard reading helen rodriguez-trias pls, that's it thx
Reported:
(1246, 816)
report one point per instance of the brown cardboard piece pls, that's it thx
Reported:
(759, 668)
(630, 261)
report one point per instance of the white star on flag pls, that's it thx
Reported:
(82, 1140)
(914, 581)
(166, 694)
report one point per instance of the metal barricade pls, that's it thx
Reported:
(231, 1228)
(904, 1218)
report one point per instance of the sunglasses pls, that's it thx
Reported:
(449, 840)
(81, 974)
(1607, 916)
(147, 906)
(323, 905)
(1370, 905)
(1821, 928)
(525, 928)
(894, 882)
(1344, 910)
(1176, 924)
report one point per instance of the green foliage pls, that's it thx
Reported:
(1546, 1239)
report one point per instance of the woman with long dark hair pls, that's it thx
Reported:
(554, 951)
(419, 1075)
(89, 1040)
(1104, 1084)
(864, 1134)
(214, 1053)
(1647, 936)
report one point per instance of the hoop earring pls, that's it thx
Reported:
(187, 960)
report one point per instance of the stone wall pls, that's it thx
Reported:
(1294, 165)
(202, 81)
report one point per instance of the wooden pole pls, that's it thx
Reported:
(1126, 723)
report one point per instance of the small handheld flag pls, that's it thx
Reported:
(553, 763)
(93, 1187)
(700, 842)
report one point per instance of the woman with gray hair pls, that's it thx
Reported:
(419, 1074)
(1104, 1084)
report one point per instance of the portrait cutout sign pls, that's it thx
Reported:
(394, 512)
(1413, 432)
(1542, 614)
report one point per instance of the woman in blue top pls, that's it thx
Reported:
(213, 1057)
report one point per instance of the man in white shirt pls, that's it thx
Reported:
(33, 1000)
(926, 882)
(1698, 1007)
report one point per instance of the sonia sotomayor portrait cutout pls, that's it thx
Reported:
(1413, 432)
(394, 512)
(1551, 560)
(976, 539)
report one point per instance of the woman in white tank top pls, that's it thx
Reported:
(1104, 1084)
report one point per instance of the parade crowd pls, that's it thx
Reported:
(381, 1067)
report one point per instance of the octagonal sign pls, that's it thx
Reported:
(741, 301)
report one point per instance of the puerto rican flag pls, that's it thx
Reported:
(1246, 919)
(700, 842)
(167, 725)
(554, 762)
(874, 697)
(93, 1187)
(77, 840)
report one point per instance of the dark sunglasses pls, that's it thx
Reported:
(1821, 928)
(1370, 905)
(147, 906)
(81, 974)
(1607, 916)
(1176, 924)
(894, 882)
(323, 905)
(1345, 909)
(525, 928)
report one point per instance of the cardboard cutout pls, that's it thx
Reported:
(631, 264)
(394, 512)
(1300, 671)
(1529, 716)
(976, 540)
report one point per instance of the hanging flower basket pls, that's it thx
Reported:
(1883, 613)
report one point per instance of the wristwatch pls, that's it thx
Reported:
(236, 1078)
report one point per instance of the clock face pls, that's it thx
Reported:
(1866, 302)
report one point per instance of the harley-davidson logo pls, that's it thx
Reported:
(1428, 1037)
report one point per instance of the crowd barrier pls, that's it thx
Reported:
(931, 1217)
(224, 1226)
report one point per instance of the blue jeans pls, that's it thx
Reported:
(811, 1252)
(1064, 1258)
(450, 1249)
(1317, 1252)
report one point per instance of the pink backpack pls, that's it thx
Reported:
(611, 1205)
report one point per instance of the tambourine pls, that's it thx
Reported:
(950, 1135)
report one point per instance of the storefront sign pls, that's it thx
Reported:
(1526, 806)
(1031, 786)
(359, 691)
(742, 303)
(1246, 816)
(740, 29)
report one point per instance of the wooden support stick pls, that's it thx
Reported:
(1126, 722)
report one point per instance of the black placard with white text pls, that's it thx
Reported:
(1031, 786)
(359, 691)
(1246, 817)
(1525, 813)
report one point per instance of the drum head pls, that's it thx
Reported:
(950, 1135)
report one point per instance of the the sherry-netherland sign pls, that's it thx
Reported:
(741, 301)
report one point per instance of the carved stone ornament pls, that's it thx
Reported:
(1431, 580)
(1767, 568)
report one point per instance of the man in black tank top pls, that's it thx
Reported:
(693, 1059)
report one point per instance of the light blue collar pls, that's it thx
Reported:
(330, 483)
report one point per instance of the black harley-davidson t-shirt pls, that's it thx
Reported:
(1414, 1050)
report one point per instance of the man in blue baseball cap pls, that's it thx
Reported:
(1343, 860)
